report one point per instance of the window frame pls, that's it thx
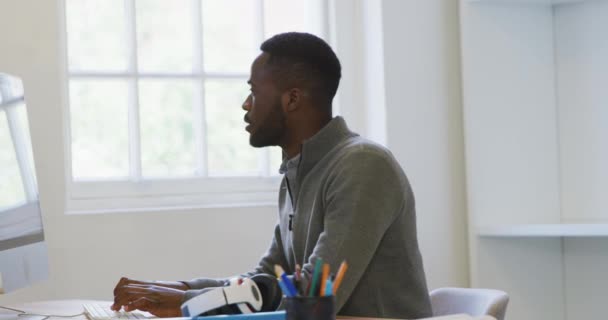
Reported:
(138, 194)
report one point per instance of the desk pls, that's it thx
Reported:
(57, 307)
(73, 307)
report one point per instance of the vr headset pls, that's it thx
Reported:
(244, 295)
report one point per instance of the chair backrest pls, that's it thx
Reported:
(476, 302)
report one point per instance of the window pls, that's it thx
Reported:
(17, 181)
(155, 89)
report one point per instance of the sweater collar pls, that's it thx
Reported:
(317, 146)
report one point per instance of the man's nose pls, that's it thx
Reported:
(247, 103)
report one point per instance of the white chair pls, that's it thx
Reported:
(476, 302)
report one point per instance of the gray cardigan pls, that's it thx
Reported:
(353, 202)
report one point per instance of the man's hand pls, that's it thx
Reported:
(162, 299)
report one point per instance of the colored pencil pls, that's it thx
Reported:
(324, 279)
(315, 277)
(340, 276)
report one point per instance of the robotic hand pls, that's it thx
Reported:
(244, 295)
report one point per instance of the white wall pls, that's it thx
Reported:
(511, 152)
(535, 114)
(423, 113)
(581, 50)
(424, 118)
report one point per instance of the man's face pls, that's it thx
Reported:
(263, 105)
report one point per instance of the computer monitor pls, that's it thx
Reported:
(23, 252)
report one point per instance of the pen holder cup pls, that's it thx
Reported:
(310, 308)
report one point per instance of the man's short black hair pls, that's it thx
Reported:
(304, 59)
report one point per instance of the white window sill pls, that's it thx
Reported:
(171, 195)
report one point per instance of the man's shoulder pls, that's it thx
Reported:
(364, 156)
(359, 148)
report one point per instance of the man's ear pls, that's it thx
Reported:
(291, 99)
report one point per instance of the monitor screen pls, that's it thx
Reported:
(23, 254)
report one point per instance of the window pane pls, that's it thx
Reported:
(229, 149)
(230, 40)
(167, 127)
(11, 186)
(96, 35)
(99, 118)
(164, 35)
(303, 16)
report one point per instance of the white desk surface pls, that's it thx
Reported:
(73, 307)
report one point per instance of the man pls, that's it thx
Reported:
(342, 197)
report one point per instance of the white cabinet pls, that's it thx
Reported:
(535, 90)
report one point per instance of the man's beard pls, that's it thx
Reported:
(271, 131)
